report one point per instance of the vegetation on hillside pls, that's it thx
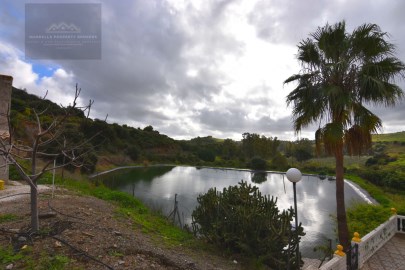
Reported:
(384, 164)
(119, 145)
(390, 137)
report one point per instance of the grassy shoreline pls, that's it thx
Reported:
(149, 221)
(362, 218)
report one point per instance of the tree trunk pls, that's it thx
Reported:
(343, 231)
(34, 190)
(34, 209)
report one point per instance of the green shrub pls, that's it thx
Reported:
(384, 177)
(241, 220)
(133, 152)
(279, 162)
(257, 163)
(206, 155)
(363, 218)
(13, 174)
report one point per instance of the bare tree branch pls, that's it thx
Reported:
(50, 142)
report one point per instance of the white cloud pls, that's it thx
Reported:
(60, 85)
(196, 68)
(11, 64)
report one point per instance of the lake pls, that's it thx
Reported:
(157, 186)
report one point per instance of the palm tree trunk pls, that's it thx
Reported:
(343, 231)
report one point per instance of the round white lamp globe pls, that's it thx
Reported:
(293, 175)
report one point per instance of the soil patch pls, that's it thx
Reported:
(93, 236)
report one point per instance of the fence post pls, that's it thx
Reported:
(354, 252)
(400, 221)
(6, 83)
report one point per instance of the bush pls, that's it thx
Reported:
(13, 173)
(133, 152)
(279, 162)
(380, 159)
(206, 155)
(241, 220)
(257, 163)
(363, 218)
(384, 177)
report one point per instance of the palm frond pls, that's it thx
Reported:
(308, 53)
(365, 118)
(293, 78)
(340, 73)
(332, 40)
(368, 42)
(330, 136)
(357, 140)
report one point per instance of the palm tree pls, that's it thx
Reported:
(340, 74)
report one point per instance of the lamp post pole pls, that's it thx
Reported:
(296, 225)
(294, 176)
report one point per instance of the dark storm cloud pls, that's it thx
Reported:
(161, 65)
(237, 120)
(146, 57)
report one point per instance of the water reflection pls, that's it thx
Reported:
(157, 186)
(259, 177)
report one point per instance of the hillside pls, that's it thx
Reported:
(390, 137)
(120, 143)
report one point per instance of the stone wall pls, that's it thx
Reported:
(5, 103)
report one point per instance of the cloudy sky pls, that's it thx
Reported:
(195, 68)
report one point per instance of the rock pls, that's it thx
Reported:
(120, 262)
(117, 233)
(10, 266)
(58, 244)
(22, 239)
(235, 261)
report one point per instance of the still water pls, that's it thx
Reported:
(157, 186)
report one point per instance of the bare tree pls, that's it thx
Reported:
(48, 142)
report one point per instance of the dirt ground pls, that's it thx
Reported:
(88, 231)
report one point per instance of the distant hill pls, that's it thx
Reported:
(390, 137)
(129, 143)
(120, 145)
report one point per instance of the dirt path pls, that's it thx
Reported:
(16, 191)
(87, 225)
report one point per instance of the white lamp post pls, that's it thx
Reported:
(294, 175)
